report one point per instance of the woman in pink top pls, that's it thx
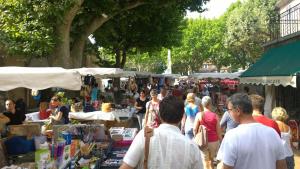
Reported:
(212, 123)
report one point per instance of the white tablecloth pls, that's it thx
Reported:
(99, 115)
(96, 115)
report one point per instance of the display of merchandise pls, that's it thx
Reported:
(115, 158)
(121, 133)
(112, 162)
(116, 133)
(129, 133)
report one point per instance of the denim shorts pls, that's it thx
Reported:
(290, 162)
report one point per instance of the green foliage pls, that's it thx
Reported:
(154, 61)
(142, 29)
(29, 27)
(64, 100)
(203, 42)
(105, 58)
(21, 30)
(235, 39)
(248, 28)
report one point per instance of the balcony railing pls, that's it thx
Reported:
(288, 23)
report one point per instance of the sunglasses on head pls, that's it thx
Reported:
(54, 100)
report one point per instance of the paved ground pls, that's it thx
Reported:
(297, 159)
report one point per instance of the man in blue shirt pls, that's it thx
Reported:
(227, 122)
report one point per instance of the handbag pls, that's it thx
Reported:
(201, 138)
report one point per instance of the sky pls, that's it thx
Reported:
(215, 8)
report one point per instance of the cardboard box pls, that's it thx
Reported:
(28, 130)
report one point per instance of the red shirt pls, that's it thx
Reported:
(177, 93)
(209, 120)
(267, 122)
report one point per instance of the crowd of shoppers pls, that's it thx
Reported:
(243, 138)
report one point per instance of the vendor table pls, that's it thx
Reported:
(115, 158)
(117, 114)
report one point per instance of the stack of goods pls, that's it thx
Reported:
(28, 130)
(116, 133)
(115, 158)
(106, 107)
(51, 156)
(23, 165)
(55, 155)
(129, 133)
(105, 147)
(122, 136)
(91, 154)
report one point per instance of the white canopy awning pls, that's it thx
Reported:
(234, 75)
(38, 78)
(270, 80)
(138, 73)
(175, 76)
(102, 72)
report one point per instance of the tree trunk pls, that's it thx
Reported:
(77, 52)
(79, 43)
(61, 53)
(97, 22)
(124, 55)
(2, 61)
(219, 68)
(118, 57)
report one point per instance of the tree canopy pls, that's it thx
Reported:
(248, 28)
(145, 31)
(235, 39)
(129, 29)
(59, 29)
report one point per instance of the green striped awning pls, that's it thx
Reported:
(277, 66)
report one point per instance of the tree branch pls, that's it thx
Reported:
(71, 13)
(98, 21)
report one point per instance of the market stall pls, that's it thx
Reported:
(38, 78)
(104, 72)
(217, 85)
(65, 146)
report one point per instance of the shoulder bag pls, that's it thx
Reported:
(148, 132)
(201, 138)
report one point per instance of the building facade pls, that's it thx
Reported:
(279, 67)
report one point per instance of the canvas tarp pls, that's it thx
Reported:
(38, 78)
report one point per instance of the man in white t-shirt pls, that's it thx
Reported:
(251, 145)
(168, 148)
